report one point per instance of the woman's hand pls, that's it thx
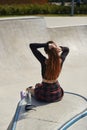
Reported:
(59, 49)
(55, 46)
(52, 46)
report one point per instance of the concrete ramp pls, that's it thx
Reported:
(17, 64)
(75, 38)
(15, 37)
(19, 69)
(74, 70)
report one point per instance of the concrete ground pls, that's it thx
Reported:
(19, 69)
(65, 21)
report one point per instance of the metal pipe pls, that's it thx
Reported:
(72, 8)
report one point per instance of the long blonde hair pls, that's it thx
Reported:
(53, 66)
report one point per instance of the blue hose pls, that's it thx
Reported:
(77, 117)
(15, 119)
(73, 120)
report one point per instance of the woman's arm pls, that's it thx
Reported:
(34, 47)
(65, 51)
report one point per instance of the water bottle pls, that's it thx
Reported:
(23, 94)
(28, 98)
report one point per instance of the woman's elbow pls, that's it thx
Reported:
(30, 45)
(68, 49)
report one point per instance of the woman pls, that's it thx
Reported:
(49, 90)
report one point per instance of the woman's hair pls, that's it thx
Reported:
(53, 63)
